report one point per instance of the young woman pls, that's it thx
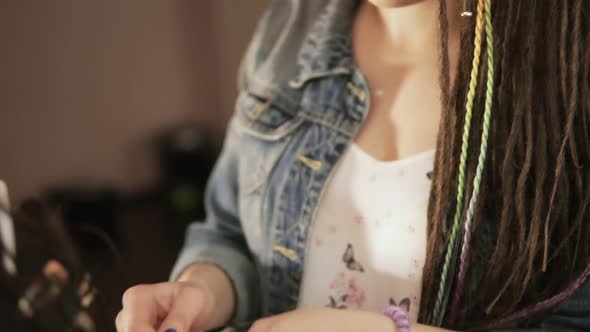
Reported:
(428, 156)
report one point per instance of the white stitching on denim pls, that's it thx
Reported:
(303, 79)
(318, 120)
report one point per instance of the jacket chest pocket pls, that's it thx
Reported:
(265, 131)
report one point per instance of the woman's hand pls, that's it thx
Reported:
(202, 299)
(320, 320)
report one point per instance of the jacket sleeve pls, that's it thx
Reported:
(220, 240)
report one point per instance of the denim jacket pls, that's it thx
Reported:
(301, 101)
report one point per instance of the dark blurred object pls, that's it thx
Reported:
(86, 206)
(92, 216)
(187, 155)
(51, 290)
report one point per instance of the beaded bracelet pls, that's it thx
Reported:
(399, 316)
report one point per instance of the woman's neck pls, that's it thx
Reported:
(410, 34)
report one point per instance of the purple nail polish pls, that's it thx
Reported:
(170, 330)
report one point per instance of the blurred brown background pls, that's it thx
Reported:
(88, 91)
(84, 85)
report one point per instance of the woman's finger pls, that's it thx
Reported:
(119, 324)
(138, 312)
(189, 311)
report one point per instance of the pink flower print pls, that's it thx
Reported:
(417, 264)
(332, 229)
(412, 276)
(356, 295)
(346, 293)
(317, 242)
(352, 285)
(359, 220)
(339, 282)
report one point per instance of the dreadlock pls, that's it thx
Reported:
(535, 190)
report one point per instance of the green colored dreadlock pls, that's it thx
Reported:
(454, 239)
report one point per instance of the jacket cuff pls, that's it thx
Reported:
(239, 269)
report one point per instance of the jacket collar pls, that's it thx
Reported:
(327, 49)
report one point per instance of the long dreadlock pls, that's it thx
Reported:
(534, 195)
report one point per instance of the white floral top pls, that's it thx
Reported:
(367, 246)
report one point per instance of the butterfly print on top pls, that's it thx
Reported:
(404, 303)
(350, 261)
